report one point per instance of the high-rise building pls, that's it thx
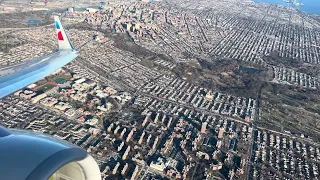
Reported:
(122, 133)
(138, 26)
(121, 146)
(110, 127)
(141, 138)
(149, 138)
(169, 123)
(221, 132)
(128, 26)
(116, 130)
(135, 173)
(124, 170)
(125, 155)
(155, 144)
(204, 127)
(156, 118)
(163, 118)
(146, 119)
(130, 134)
(115, 169)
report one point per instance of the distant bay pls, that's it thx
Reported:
(309, 6)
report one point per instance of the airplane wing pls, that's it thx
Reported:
(63, 39)
(18, 76)
(26, 155)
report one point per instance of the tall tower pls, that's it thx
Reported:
(204, 127)
(128, 26)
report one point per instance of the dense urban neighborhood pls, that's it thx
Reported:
(173, 89)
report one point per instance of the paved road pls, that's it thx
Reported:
(195, 169)
(196, 108)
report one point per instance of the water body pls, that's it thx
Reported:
(309, 6)
(249, 69)
(33, 21)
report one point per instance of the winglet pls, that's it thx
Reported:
(63, 39)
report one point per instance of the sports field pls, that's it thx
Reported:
(46, 87)
(60, 80)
